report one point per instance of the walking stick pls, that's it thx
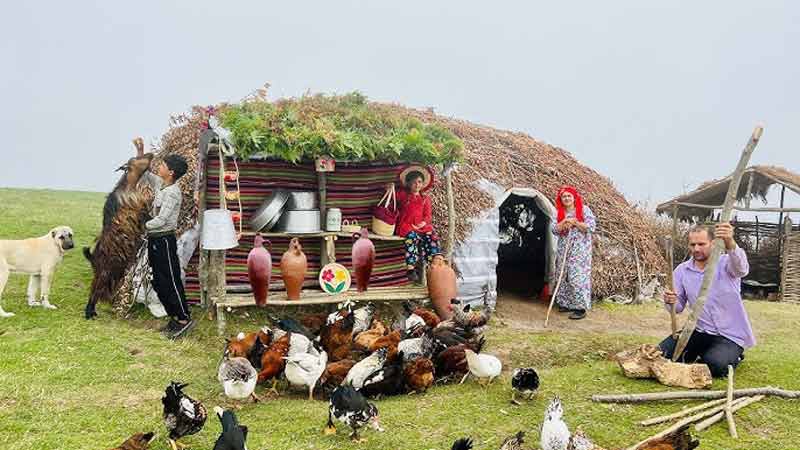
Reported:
(558, 282)
(716, 251)
(671, 285)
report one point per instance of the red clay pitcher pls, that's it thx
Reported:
(259, 269)
(441, 286)
(293, 269)
(363, 258)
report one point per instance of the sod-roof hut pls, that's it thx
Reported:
(498, 175)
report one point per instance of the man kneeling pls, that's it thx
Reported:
(723, 328)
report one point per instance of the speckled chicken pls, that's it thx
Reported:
(363, 318)
(554, 434)
(139, 441)
(418, 374)
(183, 416)
(238, 376)
(515, 442)
(524, 381)
(350, 407)
(422, 346)
(364, 340)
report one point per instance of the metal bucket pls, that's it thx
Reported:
(218, 230)
(302, 200)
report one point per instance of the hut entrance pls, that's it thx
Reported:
(523, 265)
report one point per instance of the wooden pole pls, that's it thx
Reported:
(202, 267)
(711, 266)
(558, 282)
(758, 235)
(683, 413)
(688, 395)
(451, 216)
(787, 230)
(737, 208)
(718, 416)
(728, 405)
(673, 316)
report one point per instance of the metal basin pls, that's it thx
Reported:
(299, 221)
(303, 200)
(267, 215)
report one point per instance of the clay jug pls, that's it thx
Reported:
(441, 286)
(293, 269)
(259, 269)
(363, 258)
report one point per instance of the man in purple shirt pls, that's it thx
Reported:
(723, 328)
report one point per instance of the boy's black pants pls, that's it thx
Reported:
(162, 253)
(716, 351)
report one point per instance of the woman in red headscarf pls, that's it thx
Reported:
(574, 228)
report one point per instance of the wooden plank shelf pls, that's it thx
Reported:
(322, 234)
(317, 297)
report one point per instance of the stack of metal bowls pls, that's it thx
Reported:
(267, 215)
(301, 214)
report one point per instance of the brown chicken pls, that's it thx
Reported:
(272, 362)
(453, 360)
(314, 322)
(337, 338)
(335, 373)
(364, 340)
(418, 374)
(388, 342)
(431, 318)
(677, 440)
(243, 347)
(139, 441)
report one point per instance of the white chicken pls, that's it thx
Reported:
(414, 348)
(298, 343)
(364, 368)
(304, 369)
(554, 432)
(363, 318)
(238, 377)
(482, 366)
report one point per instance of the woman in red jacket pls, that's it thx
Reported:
(414, 218)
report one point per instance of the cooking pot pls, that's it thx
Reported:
(299, 221)
(303, 200)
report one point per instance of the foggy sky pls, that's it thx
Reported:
(656, 97)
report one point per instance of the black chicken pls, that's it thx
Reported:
(388, 380)
(290, 325)
(462, 444)
(234, 436)
(524, 381)
(348, 406)
(183, 416)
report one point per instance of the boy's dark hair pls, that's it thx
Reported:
(413, 175)
(177, 164)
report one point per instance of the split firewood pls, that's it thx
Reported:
(728, 403)
(687, 395)
(718, 416)
(683, 413)
(637, 363)
(690, 376)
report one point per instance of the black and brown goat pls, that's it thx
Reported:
(124, 214)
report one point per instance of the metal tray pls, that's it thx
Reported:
(267, 215)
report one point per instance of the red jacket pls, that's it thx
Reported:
(413, 209)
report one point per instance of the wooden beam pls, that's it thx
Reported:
(718, 246)
(736, 208)
(780, 216)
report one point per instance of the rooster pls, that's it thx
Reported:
(272, 362)
(337, 338)
(139, 441)
(183, 416)
(554, 433)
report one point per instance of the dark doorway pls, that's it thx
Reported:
(522, 254)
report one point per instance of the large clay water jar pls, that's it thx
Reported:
(363, 259)
(441, 286)
(293, 269)
(259, 269)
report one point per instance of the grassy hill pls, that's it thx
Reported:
(68, 383)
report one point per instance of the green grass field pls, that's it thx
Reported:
(69, 384)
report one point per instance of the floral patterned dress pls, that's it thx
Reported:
(576, 288)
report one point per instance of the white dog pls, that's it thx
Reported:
(37, 257)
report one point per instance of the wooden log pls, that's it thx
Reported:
(682, 413)
(686, 395)
(729, 404)
(711, 265)
(718, 416)
(680, 424)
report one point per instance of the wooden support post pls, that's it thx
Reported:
(758, 235)
(202, 266)
(780, 215)
(673, 315)
(451, 216)
(787, 230)
(711, 265)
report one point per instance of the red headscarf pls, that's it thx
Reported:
(578, 204)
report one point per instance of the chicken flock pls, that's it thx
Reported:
(351, 357)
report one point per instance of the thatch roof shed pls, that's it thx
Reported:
(625, 239)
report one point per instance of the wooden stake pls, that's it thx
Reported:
(718, 416)
(728, 405)
(558, 282)
(685, 395)
(711, 266)
(683, 413)
(673, 315)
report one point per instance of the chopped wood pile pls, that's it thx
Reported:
(648, 362)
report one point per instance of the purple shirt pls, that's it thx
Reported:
(723, 313)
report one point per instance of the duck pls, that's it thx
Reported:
(554, 432)
(350, 407)
(234, 435)
(524, 381)
(482, 366)
(305, 369)
(183, 416)
(238, 376)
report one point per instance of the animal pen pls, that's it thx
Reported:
(492, 202)
(768, 236)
